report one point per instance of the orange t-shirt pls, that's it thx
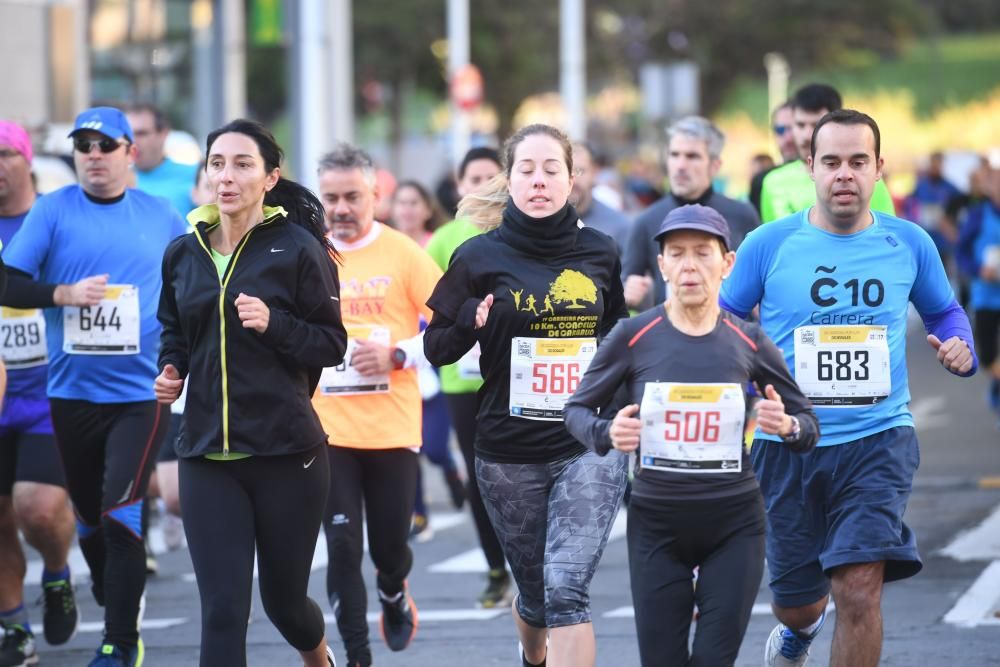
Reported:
(385, 282)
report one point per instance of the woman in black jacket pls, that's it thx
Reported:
(251, 314)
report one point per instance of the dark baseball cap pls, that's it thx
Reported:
(695, 217)
(109, 121)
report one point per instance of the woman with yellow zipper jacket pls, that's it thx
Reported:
(251, 314)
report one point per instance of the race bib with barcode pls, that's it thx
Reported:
(545, 372)
(22, 337)
(110, 327)
(345, 380)
(843, 366)
(692, 428)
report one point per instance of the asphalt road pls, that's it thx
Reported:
(944, 616)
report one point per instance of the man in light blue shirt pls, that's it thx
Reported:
(155, 172)
(834, 283)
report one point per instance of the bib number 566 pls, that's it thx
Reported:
(555, 378)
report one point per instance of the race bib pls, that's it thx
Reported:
(692, 428)
(344, 380)
(544, 373)
(22, 335)
(110, 327)
(843, 366)
(468, 365)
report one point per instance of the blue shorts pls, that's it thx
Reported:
(28, 451)
(26, 415)
(837, 505)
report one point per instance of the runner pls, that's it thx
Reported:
(833, 283)
(156, 173)
(789, 188)
(978, 254)
(461, 381)
(93, 249)
(248, 476)
(536, 293)
(695, 502)
(415, 213)
(781, 125)
(370, 405)
(594, 212)
(693, 156)
(32, 483)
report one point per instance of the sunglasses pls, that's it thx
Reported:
(781, 129)
(105, 145)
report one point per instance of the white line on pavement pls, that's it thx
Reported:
(978, 601)
(979, 543)
(147, 624)
(759, 609)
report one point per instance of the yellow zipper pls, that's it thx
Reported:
(223, 283)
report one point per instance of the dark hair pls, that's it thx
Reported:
(437, 216)
(848, 117)
(510, 146)
(479, 153)
(160, 120)
(303, 208)
(817, 97)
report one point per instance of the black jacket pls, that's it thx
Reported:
(249, 392)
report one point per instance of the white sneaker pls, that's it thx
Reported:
(785, 648)
(329, 657)
(173, 531)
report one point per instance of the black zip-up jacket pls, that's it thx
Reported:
(248, 392)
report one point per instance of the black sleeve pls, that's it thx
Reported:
(756, 186)
(173, 343)
(314, 336)
(606, 373)
(614, 302)
(452, 330)
(771, 369)
(23, 291)
(636, 250)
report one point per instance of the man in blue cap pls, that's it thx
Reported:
(90, 255)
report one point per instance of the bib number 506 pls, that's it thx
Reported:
(555, 378)
(692, 426)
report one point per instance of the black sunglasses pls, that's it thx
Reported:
(106, 145)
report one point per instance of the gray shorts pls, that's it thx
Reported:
(553, 521)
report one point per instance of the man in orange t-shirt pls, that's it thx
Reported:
(370, 405)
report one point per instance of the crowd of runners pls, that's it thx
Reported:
(270, 362)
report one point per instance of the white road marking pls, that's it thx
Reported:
(979, 600)
(147, 624)
(759, 609)
(979, 543)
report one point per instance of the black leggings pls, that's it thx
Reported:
(108, 451)
(274, 503)
(463, 409)
(724, 538)
(380, 483)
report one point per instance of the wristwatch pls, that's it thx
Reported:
(796, 431)
(398, 358)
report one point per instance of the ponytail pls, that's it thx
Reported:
(484, 207)
(303, 209)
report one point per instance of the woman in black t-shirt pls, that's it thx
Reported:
(537, 292)
(695, 501)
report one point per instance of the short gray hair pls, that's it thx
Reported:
(345, 157)
(701, 128)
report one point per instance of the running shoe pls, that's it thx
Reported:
(329, 657)
(456, 488)
(110, 655)
(497, 590)
(61, 617)
(173, 531)
(786, 648)
(420, 528)
(18, 647)
(399, 619)
(152, 567)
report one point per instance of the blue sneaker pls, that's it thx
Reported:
(110, 655)
(786, 648)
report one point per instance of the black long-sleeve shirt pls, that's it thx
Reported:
(648, 348)
(574, 294)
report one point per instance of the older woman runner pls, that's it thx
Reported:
(251, 314)
(537, 293)
(695, 501)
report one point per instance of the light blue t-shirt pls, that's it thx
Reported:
(985, 295)
(804, 277)
(171, 180)
(67, 237)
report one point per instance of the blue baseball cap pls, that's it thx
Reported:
(697, 217)
(108, 121)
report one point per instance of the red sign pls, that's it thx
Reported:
(467, 87)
